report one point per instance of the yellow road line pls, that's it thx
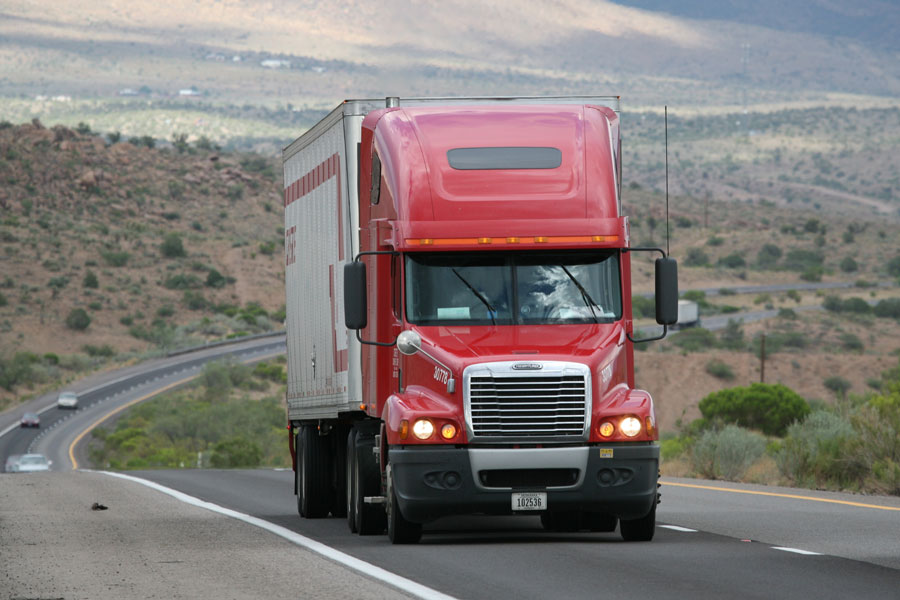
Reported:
(777, 495)
(91, 427)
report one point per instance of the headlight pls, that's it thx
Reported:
(423, 429)
(630, 426)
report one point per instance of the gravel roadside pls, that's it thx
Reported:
(149, 545)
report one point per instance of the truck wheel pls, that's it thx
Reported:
(639, 530)
(370, 518)
(350, 487)
(400, 531)
(313, 481)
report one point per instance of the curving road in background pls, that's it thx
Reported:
(713, 539)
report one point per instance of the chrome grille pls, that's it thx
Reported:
(506, 404)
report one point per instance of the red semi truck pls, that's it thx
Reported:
(459, 321)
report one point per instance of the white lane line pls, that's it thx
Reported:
(797, 551)
(677, 528)
(401, 583)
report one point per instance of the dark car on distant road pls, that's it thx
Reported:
(30, 419)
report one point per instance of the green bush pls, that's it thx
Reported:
(195, 300)
(888, 308)
(90, 280)
(696, 257)
(893, 266)
(735, 260)
(695, 339)
(838, 385)
(3, 300)
(799, 259)
(643, 308)
(719, 369)
(236, 452)
(182, 281)
(768, 256)
(848, 265)
(851, 342)
(214, 279)
(172, 246)
(78, 319)
(770, 408)
(105, 351)
(732, 336)
(115, 258)
(17, 369)
(818, 450)
(728, 453)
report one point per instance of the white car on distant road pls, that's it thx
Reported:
(67, 400)
(27, 463)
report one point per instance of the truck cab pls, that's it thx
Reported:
(487, 298)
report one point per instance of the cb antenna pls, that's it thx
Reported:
(666, 121)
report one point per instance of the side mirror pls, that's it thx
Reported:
(409, 342)
(666, 291)
(355, 304)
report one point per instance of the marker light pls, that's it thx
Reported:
(423, 429)
(404, 429)
(448, 431)
(630, 426)
(607, 429)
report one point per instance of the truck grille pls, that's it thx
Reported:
(528, 405)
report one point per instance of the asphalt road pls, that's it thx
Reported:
(713, 539)
(103, 394)
(742, 545)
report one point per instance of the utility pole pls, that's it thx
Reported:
(762, 359)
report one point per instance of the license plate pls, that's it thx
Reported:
(529, 501)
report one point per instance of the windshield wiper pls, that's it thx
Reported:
(585, 297)
(491, 310)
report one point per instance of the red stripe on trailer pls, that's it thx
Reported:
(339, 357)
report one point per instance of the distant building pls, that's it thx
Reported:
(188, 92)
(128, 92)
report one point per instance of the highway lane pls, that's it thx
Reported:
(730, 552)
(106, 393)
(512, 557)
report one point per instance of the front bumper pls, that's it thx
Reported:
(433, 482)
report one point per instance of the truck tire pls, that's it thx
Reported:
(314, 493)
(350, 488)
(400, 531)
(370, 518)
(639, 530)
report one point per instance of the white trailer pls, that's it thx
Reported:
(688, 314)
(320, 222)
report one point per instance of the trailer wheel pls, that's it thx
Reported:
(313, 480)
(400, 531)
(349, 475)
(639, 530)
(370, 518)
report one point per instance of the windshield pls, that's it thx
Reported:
(32, 460)
(481, 288)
